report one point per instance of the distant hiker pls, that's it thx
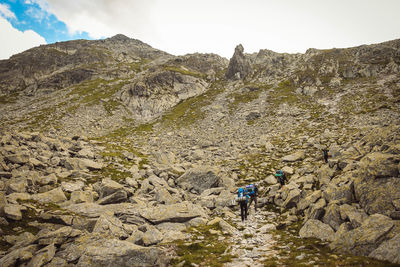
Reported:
(252, 192)
(280, 176)
(325, 151)
(242, 198)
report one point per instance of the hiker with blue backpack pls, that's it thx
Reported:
(252, 192)
(242, 198)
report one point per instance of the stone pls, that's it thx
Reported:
(363, 240)
(117, 197)
(114, 252)
(110, 226)
(108, 187)
(13, 211)
(351, 213)
(378, 164)
(48, 180)
(297, 156)
(269, 147)
(152, 237)
(292, 198)
(164, 197)
(179, 212)
(325, 174)
(332, 216)
(52, 196)
(21, 158)
(389, 250)
(6, 175)
(316, 210)
(81, 197)
(58, 236)
(270, 180)
(81, 164)
(72, 186)
(343, 193)
(316, 229)
(226, 227)
(199, 179)
(267, 228)
(43, 256)
(288, 170)
(19, 255)
(310, 199)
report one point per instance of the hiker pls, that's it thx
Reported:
(242, 198)
(280, 176)
(252, 192)
(325, 151)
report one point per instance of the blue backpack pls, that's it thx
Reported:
(250, 189)
(242, 196)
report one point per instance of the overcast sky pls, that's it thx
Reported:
(207, 26)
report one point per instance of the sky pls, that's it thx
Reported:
(207, 26)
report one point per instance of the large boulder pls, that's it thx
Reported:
(52, 196)
(179, 212)
(299, 155)
(110, 226)
(199, 179)
(114, 252)
(378, 164)
(332, 216)
(239, 66)
(363, 240)
(108, 187)
(316, 229)
(388, 251)
(292, 198)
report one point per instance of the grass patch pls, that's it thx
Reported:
(185, 71)
(248, 93)
(204, 252)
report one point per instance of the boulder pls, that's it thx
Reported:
(43, 256)
(81, 197)
(343, 193)
(376, 195)
(152, 237)
(267, 228)
(363, 240)
(52, 196)
(332, 216)
(108, 187)
(13, 211)
(316, 210)
(310, 199)
(20, 158)
(58, 236)
(292, 199)
(354, 215)
(324, 175)
(81, 164)
(297, 156)
(389, 250)
(110, 226)
(164, 197)
(270, 180)
(72, 186)
(48, 180)
(316, 229)
(378, 164)
(199, 179)
(179, 212)
(18, 256)
(114, 252)
(117, 197)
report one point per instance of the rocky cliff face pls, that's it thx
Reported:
(115, 153)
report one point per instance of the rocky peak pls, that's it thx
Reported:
(239, 67)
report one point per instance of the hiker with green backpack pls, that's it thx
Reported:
(281, 177)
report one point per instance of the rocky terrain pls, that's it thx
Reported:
(113, 153)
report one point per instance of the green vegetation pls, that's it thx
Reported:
(205, 249)
(9, 99)
(185, 71)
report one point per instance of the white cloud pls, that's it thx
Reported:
(14, 41)
(185, 26)
(5, 12)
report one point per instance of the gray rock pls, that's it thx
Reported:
(48, 180)
(310, 199)
(332, 216)
(199, 179)
(110, 226)
(81, 164)
(81, 197)
(21, 158)
(72, 186)
(297, 156)
(43, 256)
(13, 211)
(108, 187)
(292, 198)
(19, 255)
(388, 251)
(316, 210)
(353, 214)
(179, 212)
(58, 236)
(344, 193)
(270, 180)
(317, 229)
(117, 197)
(52, 196)
(364, 239)
(114, 252)
(152, 237)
